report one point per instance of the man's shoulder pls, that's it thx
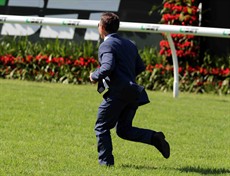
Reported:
(108, 43)
(115, 42)
(119, 39)
(106, 46)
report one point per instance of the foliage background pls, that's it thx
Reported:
(69, 62)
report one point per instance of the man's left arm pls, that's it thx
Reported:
(140, 66)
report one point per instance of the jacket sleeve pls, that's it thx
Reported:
(107, 63)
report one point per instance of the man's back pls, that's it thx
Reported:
(126, 60)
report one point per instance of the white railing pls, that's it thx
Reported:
(127, 26)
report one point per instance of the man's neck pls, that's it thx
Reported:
(109, 35)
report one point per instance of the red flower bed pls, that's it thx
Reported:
(192, 79)
(76, 71)
(47, 68)
(203, 71)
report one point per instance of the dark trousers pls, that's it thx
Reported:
(116, 112)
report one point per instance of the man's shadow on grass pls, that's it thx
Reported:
(187, 169)
(139, 167)
(204, 171)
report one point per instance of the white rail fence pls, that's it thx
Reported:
(128, 26)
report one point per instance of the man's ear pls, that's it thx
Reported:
(103, 28)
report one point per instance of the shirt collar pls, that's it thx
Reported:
(107, 36)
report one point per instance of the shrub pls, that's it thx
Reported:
(181, 12)
(68, 62)
(47, 60)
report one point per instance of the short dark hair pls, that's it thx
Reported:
(110, 21)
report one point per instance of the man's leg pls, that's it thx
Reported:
(126, 131)
(108, 114)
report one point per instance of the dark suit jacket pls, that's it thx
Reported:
(120, 61)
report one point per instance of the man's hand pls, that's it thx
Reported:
(91, 79)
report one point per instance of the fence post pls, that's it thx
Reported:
(175, 66)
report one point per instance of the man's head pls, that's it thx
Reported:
(109, 23)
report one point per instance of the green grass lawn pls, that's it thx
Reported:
(48, 129)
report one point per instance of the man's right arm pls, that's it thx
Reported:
(107, 63)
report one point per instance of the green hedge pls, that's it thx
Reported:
(71, 62)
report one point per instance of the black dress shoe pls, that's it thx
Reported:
(158, 140)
